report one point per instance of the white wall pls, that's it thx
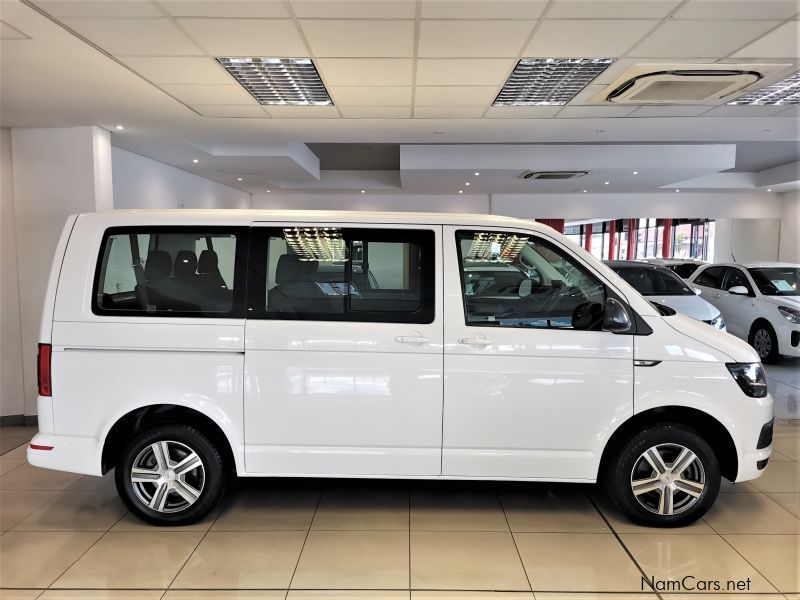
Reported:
(12, 400)
(141, 182)
(789, 250)
(56, 172)
(746, 240)
(463, 203)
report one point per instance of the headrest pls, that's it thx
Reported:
(291, 269)
(185, 263)
(208, 262)
(158, 265)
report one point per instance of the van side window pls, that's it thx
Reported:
(335, 274)
(516, 280)
(711, 277)
(171, 271)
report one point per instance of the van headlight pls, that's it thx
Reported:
(719, 322)
(790, 314)
(751, 377)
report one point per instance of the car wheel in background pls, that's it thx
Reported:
(765, 342)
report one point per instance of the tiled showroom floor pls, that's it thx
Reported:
(66, 536)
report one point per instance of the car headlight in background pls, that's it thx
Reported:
(751, 377)
(719, 322)
(790, 314)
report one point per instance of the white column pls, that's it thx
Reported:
(789, 250)
(56, 172)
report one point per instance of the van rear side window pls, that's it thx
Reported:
(171, 271)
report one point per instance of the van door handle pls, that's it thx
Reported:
(412, 339)
(475, 341)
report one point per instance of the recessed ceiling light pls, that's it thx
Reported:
(549, 81)
(786, 91)
(636, 172)
(438, 132)
(606, 182)
(195, 161)
(119, 128)
(676, 191)
(466, 183)
(460, 191)
(477, 174)
(238, 179)
(584, 191)
(292, 81)
(769, 189)
(269, 191)
(363, 191)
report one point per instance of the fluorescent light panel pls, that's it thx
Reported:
(283, 81)
(549, 81)
(786, 91)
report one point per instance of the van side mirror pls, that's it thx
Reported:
(738, 290)
(616, 318)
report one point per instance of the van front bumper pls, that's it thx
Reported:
(63, 453)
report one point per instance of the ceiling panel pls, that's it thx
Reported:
(148, 37)
(619, 66)
(448, 112)
(376, 112)
(522, 112)
(669, 111)
(97, 9)
(784, 41)
(302, 112)
(473, 38)
(371, 96)
(744, 110)
(178, 69)
(594, 112)
(455, 95)
(739, 9)
(231, 110)
(7, 32)
(587, 38)
(359, 9)
(334, 38)
(482, 9)
(246, 37)
(611, 9)
(714, 39)
(365, 71)
(455, 71)
(210, 94)
(225, 8)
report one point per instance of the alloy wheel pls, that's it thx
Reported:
(168, 476)
(668, 479)
(762, 342)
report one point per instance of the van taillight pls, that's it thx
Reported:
(43, 370)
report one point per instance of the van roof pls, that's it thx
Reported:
(246, 216)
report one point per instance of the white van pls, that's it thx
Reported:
(180, 346)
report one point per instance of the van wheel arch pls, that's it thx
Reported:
(162, 414)
(704, 424)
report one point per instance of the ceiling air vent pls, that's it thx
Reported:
(683, 84)
(552, 174)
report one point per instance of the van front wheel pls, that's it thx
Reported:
(170, 475)
(666, 476)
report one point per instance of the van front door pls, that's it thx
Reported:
(534, 385)
(343, 360)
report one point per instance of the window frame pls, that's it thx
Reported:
(607, 291)
(722, 277)
(730, 273)
(241, 233)
(258, 261)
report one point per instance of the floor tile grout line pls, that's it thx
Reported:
(744, 558)
(408, 492)
(514, 539)
(305, 540)
(624, 547)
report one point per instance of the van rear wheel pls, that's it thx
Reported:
(666, 476)
(170, 475)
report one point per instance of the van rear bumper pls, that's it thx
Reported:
(63, 453)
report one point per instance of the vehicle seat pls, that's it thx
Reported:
(212, 287)
(164, 291)
(296, 291)
(186, 266)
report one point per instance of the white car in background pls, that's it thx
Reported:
(760, 303)
(662, 286)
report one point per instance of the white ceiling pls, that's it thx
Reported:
(400, 71)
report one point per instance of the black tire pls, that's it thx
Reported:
(763, 328)
(208, 479)
(668, 439)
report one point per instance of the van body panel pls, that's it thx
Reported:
(344, 397)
